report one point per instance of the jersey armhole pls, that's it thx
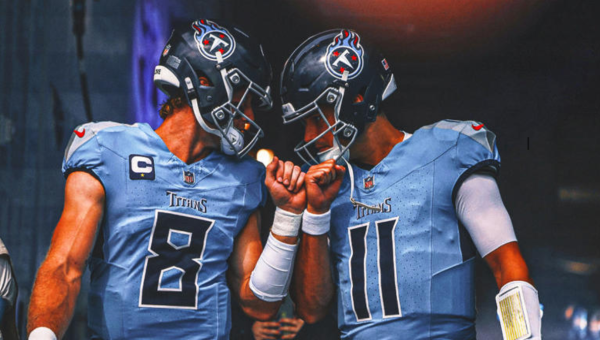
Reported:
(488, 167)
(86, 170)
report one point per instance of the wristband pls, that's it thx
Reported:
(42, 333)
(315, 224)
(286, 223)
(519, 311)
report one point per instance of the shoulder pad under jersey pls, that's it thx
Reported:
(473, 129)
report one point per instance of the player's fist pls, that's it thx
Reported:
(285, 182)
(322, 183)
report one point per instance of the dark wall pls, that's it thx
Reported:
(536, 89)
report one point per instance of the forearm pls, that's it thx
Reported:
(517, 295)
(507, 264)
(53, 298)
(250, 304)
(260, 302)
(313, 285)
(265, 309)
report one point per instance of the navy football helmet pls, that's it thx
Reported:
(333, 68)
(232, 62)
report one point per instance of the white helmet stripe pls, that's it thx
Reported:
(163, 75)
(389, 88)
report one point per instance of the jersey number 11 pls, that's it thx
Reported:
(386, 265)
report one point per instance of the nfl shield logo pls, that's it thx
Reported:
(369, 183)
(188, 177)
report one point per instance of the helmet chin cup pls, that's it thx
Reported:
(334, 152)
(233, 143)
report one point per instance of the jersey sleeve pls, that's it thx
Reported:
(480, 209)
(476, 152)
(257, 190)
(84, 151)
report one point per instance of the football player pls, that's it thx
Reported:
(170, 216)
(395, 216)
(8, 296)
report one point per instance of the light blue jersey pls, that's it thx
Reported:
(407, 272)
(158, 271)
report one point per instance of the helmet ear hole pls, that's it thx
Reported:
(173, 91)
(166, 80)
(204, 81)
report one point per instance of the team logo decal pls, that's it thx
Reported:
(211, 38)
(141, 167)
(345, 54)
(188, 177)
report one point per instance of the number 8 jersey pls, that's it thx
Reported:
(407, 271)
(158, 269)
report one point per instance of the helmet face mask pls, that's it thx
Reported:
(343, 133)
(235, 66)
(234, 140)
(334, 68)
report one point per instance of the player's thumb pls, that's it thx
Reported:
(340, 170)
(271, 170)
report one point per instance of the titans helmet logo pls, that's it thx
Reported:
(212, 39)
(345, 54)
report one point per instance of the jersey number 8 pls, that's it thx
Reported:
(170, 278)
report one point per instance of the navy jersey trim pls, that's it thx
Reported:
(89, 171)
(467, 247)
(490, 166)
(86, 170)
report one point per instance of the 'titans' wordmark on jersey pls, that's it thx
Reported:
(178, 201)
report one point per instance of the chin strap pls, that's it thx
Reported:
(356, 203)
(196, 109)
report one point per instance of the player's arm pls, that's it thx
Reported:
(59, 278)
(7, 286)
(260, 278)
(3, 307)
(507, 264)
(480, 209)
(313, 285)
(246, 252)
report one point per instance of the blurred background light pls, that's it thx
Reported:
(265, 156)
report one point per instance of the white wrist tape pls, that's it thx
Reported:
(286, 223)
(314, 224)
(519, 311)
(42, 333)
(272, 275)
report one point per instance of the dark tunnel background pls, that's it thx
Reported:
(536, 86)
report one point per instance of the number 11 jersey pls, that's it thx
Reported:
(406, 272)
